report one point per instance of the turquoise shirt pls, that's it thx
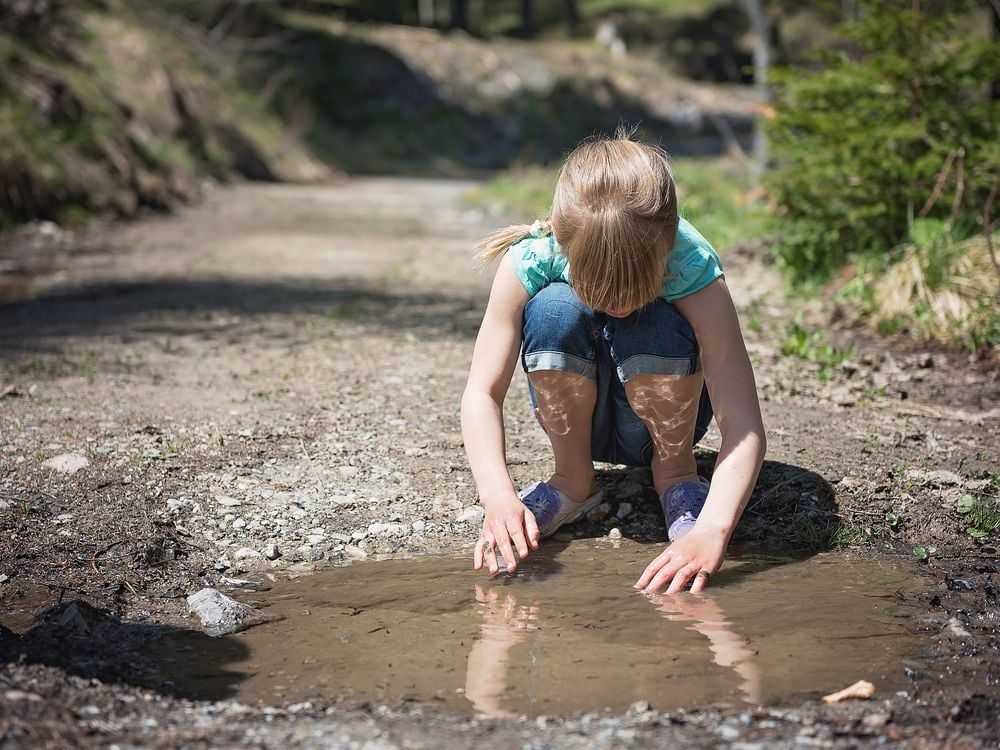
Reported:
(692, 265)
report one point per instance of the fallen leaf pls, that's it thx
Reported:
(860, 689)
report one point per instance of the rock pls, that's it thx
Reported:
(227, 502)
(240, 583)
(66, 463)
(624, 510)
(4, 578)
(271, 552)
(615, 533)
(956, 628)
(355, 553)
(472, 514)
(221, 615)
(936, 478)
(246, 553)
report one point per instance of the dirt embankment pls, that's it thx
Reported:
(276, 374)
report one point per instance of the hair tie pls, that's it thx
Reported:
(540, 229)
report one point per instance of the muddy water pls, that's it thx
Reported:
(566, 633)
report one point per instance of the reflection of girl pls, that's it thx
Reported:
(617, 305)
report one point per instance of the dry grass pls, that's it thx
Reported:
(945, 291)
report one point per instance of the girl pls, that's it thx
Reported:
(617, 306)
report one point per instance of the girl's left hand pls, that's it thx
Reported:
(694, 559)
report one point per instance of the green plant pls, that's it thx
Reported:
(812, 346)
(894, 128)
(924, 553)
(981, 512)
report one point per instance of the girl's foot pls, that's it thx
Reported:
(553, 508)
(681, 503)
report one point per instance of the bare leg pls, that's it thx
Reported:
(668, 405)
(566, 405)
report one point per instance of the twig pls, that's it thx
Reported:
(938, 185)
(987, 222)
(959, 189)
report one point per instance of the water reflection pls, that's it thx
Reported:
(729, 649)
(506, 623)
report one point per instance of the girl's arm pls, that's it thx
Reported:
(730, 381)
(508, 524)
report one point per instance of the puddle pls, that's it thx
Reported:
(566, 634)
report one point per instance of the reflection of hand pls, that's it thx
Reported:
(504, 624)
(508, 526)
(508, 616)
(729, 649)
(682, 562)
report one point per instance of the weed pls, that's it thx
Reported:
(924, 553)
(812, 346)
(981, 512)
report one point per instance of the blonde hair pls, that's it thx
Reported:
(614, 214)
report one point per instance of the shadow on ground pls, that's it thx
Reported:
(88, 642)
(176, 307)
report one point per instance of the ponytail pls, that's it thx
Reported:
(497, 243)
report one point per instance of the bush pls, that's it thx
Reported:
(900, 124)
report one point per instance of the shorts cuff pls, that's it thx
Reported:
(649, 364)
(561, 362)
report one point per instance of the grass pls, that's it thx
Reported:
(981, 511)
(937, 289)
(812, 346)
(714, 194)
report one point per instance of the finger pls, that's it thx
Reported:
(652, 569)
(681, 577)
(489, 558)
(477, 555)
(531, 526)
(506, 551)
(517, 537)
(666, 573)
(700, 582)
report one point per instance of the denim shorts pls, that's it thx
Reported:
(561, 333)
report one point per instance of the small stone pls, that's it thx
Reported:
(876, 720)
(624, 510)
(222, 564)
(21, 695)
(957, 628)
(355, 553)
(227, 502)
(419, 526)
(4, 578)
(936, 478)
(315, 538)
(472, 514)
(222, 615)
(66, 463)
(639, 707)
(240, 583)
(246, 553)
(615, 533)
(239, 523)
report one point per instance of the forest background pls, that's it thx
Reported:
(858, 141)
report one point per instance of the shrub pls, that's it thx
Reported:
(900, 124)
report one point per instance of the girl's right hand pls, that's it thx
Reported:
(508, 526)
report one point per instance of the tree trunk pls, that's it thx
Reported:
(761, 63)
(571, 16)
(460, 14)
(527, 18)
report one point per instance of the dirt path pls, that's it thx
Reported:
(276, 374)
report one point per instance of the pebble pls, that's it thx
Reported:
(355, 553)
(221, 615)
(227, 502)
(957, 628)
(624, 510)
(938, 477)
(4, 578)
(615, 533)
(472, 514)
(66, 463)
